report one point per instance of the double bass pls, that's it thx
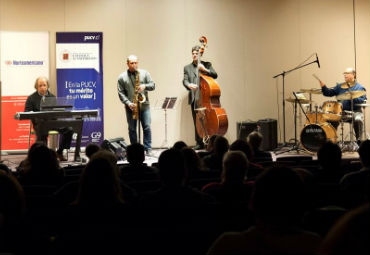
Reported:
(211, 118)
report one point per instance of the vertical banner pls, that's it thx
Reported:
(79, 66)
(24, 56)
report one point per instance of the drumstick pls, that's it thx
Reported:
(315, 76)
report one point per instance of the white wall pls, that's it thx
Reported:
(249, 42)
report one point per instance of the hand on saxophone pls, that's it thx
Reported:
(141, 88)
(132, 106)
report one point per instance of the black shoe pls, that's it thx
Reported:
(198, 147)
(149, 153)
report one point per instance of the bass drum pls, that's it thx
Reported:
(315, 135)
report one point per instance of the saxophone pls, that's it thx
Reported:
(139, 98)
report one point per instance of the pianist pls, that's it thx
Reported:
(33, 104)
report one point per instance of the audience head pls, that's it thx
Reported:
(172, 168)
(12, 199)
(211, 142)
(278, 197)
(221, 145)
(99, 183)
(135, 153)
(192, 160)
(91, 148)
(234, 167)
(41, 161)
(255, 139)
(329, 155)
(243, 146)
(364, 153)
(179, 145)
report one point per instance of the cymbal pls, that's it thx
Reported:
(302, 101)
(311, 91)
(351, 95)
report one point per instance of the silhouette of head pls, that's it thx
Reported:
(91, 148)
(243, 146)
(171, 168)
(329, 155)
(364, 153)
(135, 153)
(234, 167)
(278, 197)
(255, 139)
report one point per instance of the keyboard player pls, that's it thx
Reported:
(33, 104)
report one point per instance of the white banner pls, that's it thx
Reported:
(23, 57)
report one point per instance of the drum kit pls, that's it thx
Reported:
(319, 125)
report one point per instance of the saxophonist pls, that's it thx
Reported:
(133, 87)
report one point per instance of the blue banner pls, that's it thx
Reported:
(79, 66)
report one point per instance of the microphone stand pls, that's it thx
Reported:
(283, 74)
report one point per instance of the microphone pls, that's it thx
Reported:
(317, 60)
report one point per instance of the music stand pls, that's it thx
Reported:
(168, 103)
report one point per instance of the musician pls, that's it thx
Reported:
(127, 92)
(33, 103)
(190, 83)
(350, 84)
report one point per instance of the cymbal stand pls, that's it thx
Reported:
(296, 143)
(352, 146)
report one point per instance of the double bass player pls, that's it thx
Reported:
(190, 82)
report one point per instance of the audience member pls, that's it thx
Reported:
(12, 212)
(277, 202)
(255, 140)
(194, 165)
(90, 149)
(209, 147)
(214, 160)
(350, 235)
(356, 184)
(233, 189)
(41, 167)
(330, 158)
(179, 145)
(136, 168)
(254, 168)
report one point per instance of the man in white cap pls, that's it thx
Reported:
(350, 84)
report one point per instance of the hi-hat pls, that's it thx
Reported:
(311, 91)
(351, 95)
(302, 101)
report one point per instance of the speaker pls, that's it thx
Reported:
(244, 128)
(117, 146)
(268, 129)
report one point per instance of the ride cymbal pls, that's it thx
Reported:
(351, 95)
(311, 91)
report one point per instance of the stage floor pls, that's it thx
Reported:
(12, 160)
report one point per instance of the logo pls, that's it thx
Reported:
(65, 56)
(24, 62)
(95, 135)
(91, 38)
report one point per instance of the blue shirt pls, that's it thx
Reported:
(337, 90)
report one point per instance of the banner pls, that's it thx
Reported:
(79, 66)
(24, 56)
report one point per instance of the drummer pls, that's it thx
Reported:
(350, 84)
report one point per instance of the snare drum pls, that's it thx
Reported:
(332, 111)
(312, 118)
(315, 135)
